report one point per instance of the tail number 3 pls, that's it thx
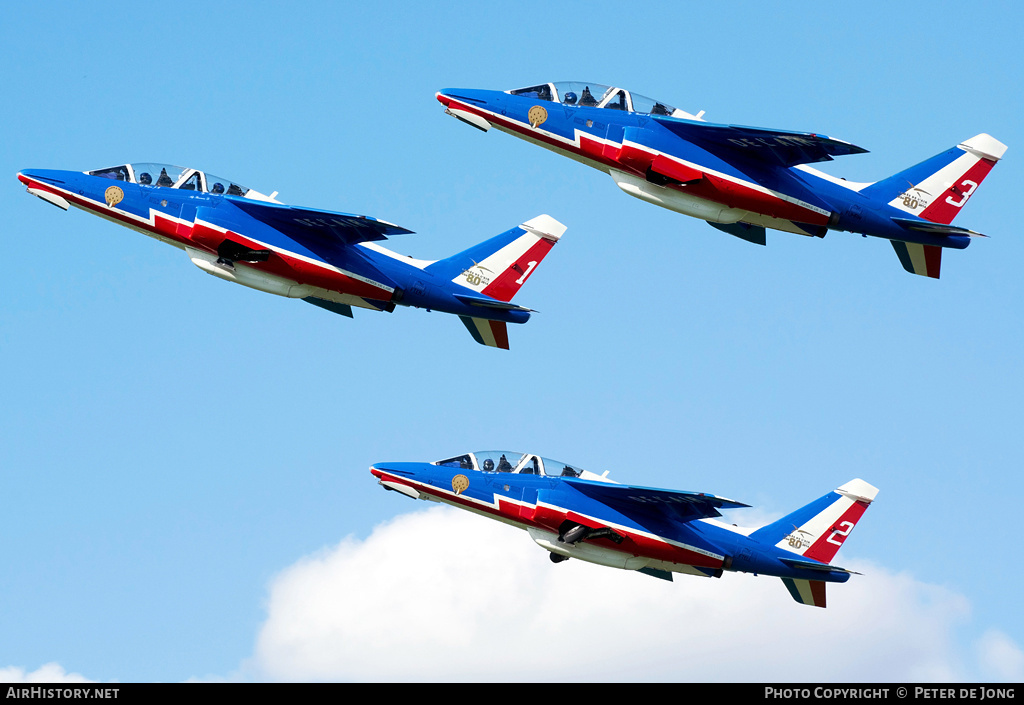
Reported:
(969, 187)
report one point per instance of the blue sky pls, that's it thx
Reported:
(183, 463)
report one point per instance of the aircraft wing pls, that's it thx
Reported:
(781, 148)
(642, 501)
(313, 227)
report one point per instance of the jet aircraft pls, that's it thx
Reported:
(574, 513)
(328, 259)
(741, 180)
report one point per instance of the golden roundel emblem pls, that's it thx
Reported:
(537, 115)
(460, 483)
(113, 195)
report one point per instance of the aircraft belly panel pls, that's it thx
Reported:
(289, 265)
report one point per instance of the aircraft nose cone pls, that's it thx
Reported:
(49, 176)
(380, 469)
(400, 469)
(26, 176)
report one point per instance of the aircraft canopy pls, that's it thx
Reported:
(510, 461)
(182, 178)
(596, 95)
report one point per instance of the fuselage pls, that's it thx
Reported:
(529, 497)
(625, 144)
(193, 219)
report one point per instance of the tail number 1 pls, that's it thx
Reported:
(964, 195)
(529, 268)
(841, 533)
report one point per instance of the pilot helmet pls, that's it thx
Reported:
(145, 179)
(570, 98)
(217, 188)
(488, 465)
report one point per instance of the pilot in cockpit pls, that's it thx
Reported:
(488, 465)
(145, 179)
(218, 188)
(570, 98)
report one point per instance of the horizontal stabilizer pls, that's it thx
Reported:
(781, 148)
(926, 226)
(815, 565)
(341, 309)
(486, 332)
(925, 260)
(806, 592)
(487, 302)
(744, 231)
(655, 573)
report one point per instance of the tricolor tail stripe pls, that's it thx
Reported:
(925, 260)
(491, 333)
(806, 592)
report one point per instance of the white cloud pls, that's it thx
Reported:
(48, 673)
(445, 595)
(1000, 659)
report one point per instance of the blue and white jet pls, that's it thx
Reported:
(328, 259)
(574, 513)
(741, 180)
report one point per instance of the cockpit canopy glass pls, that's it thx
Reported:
(596, 95)
(170, 176)
(513, 462)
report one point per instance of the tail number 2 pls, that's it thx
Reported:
(839, 535)
(964, 195)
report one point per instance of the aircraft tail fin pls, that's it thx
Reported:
(818, 530)
(925, 260)
(487, 332)
(499, 267)
(806, 592)
(938, 188)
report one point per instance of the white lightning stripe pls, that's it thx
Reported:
(417, 263)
